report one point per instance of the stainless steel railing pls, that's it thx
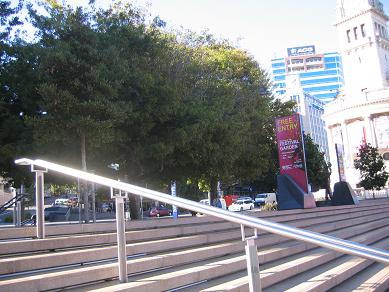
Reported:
(340, 245)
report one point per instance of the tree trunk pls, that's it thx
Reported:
(84, 184)
(213, 191)
(83, 151)
(134, 206)
(134, 203)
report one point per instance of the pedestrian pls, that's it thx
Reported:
(33, 220)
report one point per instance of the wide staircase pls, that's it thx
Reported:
(201, 253)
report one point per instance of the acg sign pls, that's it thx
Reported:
(298, 51)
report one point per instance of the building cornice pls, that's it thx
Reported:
(361, 13)
(339, 106)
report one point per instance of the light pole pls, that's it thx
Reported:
(115, 167)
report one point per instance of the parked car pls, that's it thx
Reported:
(56, 213)
(61, 201)
(72, 202)
(159, 211)
(205, 202)
(106, 207)
(262, 199)
(246, 198)
(241, 205)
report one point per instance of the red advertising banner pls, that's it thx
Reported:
(291, 149)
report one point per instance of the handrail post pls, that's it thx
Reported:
(39, 198)
(252, 261)
(121, 234)
(94, 202)
(18, 213)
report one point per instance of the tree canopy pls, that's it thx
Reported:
(318, 169)
(371, 167)
(97, 86)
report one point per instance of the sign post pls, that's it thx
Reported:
(339, 159)
(173, 190)
(291, 153)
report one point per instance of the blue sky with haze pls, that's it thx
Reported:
(263, 28)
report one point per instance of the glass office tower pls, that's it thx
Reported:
(320, 75)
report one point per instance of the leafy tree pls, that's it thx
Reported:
(102, 87)
(264, 152)
(318, 169)
(16, 94)
(232, 112)
(76, 90)
(371, 167)
(8, 19)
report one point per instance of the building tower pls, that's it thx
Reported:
(360, 113)
(364, 45)
(311, 110)
(320, 74)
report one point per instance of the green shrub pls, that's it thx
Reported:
(8, 219)
(269, 207)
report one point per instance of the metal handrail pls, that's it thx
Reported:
(12, 202)
(333, 243)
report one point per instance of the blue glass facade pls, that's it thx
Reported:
(321, 75)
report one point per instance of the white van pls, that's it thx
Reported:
(61, 201)
(271, 198)
(205, 201)
(261, 199)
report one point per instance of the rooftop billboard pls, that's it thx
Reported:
(301, 51)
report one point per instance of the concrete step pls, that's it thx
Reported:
(185, 227)
(106, 227)
(205, 247)
(40, 261)
(345, 268)
(285, 273)
(163, 261)
(374, 278)
(184, 276)
(239, 282)
(236, 262)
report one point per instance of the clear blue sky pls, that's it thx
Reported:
(263, 28)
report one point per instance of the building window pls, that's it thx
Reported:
(363, 30)
(313, 67)
(297, 61)
(348, 36)
(313, 59)
(356, 33)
